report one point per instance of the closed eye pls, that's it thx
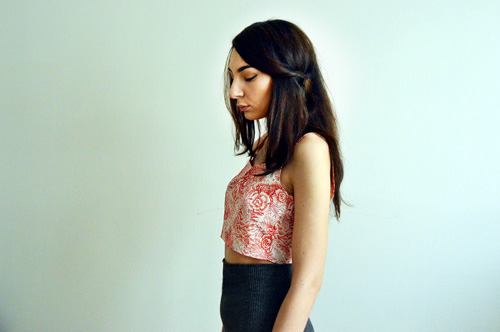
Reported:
(251, 78)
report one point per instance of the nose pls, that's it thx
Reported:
(235, 91)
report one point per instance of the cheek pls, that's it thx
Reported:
(265, 92)
(266, 96)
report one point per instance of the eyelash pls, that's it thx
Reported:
(246, 79)
(251, 78)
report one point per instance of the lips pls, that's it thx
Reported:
(243, 108)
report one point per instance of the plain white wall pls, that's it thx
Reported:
(116, 149)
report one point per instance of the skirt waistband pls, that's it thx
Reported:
(256, 273)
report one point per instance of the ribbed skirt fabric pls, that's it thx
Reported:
(252, 295)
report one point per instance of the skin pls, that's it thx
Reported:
(249, 87)
(306, 176)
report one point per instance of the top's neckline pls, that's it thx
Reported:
(255, 165)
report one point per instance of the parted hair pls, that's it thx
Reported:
(299, 101)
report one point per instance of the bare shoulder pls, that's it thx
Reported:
(311, 156)
(310, 149)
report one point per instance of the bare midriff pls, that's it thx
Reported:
(232, 257)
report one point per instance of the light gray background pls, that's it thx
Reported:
(116, 149)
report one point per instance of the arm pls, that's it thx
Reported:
(310, 178)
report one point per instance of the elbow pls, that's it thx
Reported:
(306, 290)
(311, 285)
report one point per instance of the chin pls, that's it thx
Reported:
(249, 116)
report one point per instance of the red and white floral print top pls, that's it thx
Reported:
(258, 214)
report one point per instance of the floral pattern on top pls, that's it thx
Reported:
(258, 215)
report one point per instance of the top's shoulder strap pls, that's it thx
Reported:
(261, 143)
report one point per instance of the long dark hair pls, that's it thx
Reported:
(299, 102)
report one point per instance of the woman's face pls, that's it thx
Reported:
(250, 87)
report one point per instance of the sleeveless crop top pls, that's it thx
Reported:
(259, 213)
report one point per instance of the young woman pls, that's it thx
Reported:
(277, 208)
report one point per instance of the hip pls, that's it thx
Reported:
(252, 295)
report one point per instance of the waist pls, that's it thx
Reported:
(255, 274)
(233, 257)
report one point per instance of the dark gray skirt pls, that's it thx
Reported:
(252, 295)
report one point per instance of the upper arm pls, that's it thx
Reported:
(310, 177)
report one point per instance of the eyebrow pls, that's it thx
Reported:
(242, 68)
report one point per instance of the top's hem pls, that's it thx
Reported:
(247, 255)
